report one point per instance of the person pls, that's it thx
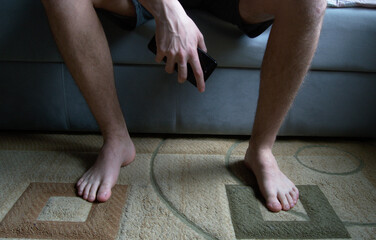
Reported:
(291, 45)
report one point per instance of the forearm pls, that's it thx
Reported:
(164, 11)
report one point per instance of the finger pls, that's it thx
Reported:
(197, 71)
(182, 72)
(201, 44)
(170, 64)
(159, 57)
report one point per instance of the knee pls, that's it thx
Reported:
(99, 3)
(316, 8)
(310, 10)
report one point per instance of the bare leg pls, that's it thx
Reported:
(83, 45)
(291, 46)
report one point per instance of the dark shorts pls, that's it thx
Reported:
(227, 10)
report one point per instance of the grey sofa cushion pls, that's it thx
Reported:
(347, 41)
(32, 96)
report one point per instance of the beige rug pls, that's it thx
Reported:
(185, 188)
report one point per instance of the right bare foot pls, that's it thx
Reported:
(97, 182)
(279, 192)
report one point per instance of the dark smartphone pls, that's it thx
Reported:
(208, 64)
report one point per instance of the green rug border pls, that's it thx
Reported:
(248, 222)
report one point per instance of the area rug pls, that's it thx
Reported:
(185, 187)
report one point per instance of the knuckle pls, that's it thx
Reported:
(182, 65)
(198, 73)
(180, 57)
(191, 52)
(162, 50)
(171, 53)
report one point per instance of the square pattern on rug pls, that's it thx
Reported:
(65, 209)
(249, 223)
(42, 212)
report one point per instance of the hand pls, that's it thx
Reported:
(177, 38)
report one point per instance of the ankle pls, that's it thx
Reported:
(261, 158)
(119, 145)
(261, 144)
(116, 136)
(257, 148)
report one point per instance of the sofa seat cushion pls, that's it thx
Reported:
(347, 42)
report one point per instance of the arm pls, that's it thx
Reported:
(177, 38)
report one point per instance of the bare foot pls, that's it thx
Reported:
(97, 182)
(279, 192)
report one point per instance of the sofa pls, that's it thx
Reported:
(337, 98)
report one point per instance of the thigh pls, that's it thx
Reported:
(121, 7)
(232, 11)
(256, 11)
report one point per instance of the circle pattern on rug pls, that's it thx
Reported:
(328, 160)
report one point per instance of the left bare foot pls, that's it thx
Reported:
(279, 192)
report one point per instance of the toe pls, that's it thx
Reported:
(290, 200)
(81, 188)
(86, 191)
(295, 193)
(283, 200)
(79, 182)
(104, 192)
(93, 192)
(273, 204)
(294, 197)
(82, 179)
